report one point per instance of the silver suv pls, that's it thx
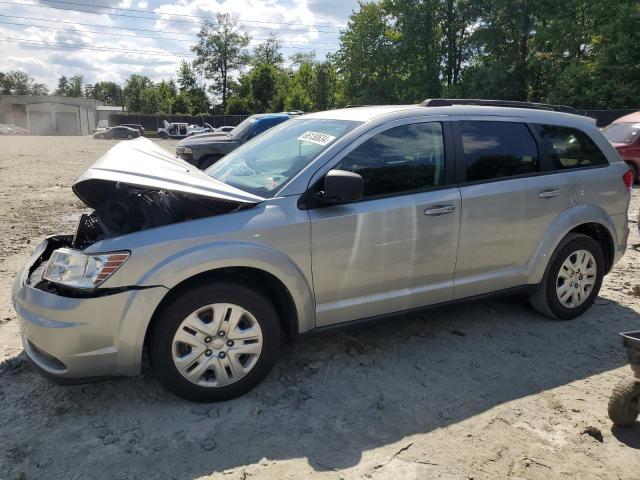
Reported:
(327, 218)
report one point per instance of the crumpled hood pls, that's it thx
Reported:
(208, 138)
(142, 163)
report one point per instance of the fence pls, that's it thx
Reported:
(153, 122)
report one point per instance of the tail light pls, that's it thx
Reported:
(627, 178)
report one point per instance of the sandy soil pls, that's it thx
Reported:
(481, 390)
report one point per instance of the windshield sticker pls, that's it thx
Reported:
(316, 137)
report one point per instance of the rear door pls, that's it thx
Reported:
(396, 248)
(509, 199)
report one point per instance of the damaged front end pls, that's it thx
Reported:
(124, 208)
(135, 186)
(138, 185)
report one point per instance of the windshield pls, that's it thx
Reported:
(622, 132)
(264, 164)
(242, 128)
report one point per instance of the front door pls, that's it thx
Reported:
(395, 249)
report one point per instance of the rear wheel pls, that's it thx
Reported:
(572, 280)
(215, 342)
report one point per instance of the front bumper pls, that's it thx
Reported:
(82, 338)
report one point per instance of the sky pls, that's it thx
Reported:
(41, 37)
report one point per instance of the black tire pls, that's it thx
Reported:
(160, 344)
(624, 403)
(163, 135)
(208, 161)
(545, 299)
(129, 137)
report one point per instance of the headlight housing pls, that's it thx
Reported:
(79, 270)
(183, 151)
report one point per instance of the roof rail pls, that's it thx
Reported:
(447, 102)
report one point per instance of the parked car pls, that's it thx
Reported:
(19, 130)
(6, 130)
(325, 219)
(624, 134)
(135, 126)
(182, 130)
(203, 151)
(117, 132)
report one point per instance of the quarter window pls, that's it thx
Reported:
(570, 148)
(402, 159)
(497, 149)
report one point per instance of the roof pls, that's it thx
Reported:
(35, 99)
(631, 118)
(365, 114)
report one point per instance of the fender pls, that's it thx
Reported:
(203, 258)
(570, 219)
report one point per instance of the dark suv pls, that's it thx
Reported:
(206, 149)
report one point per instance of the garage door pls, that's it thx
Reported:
(40, 123)
(67, 123)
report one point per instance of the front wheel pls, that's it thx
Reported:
(163, 135)
(572, 280)
(215, 342)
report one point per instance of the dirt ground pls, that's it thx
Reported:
(483, 390)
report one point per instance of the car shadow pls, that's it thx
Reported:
(331, 396)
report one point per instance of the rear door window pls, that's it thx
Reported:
(569, 147)
(494, 150)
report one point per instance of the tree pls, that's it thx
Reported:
(167, 93)
(299, 58)
(133, 92)
(193, 89)
(368, 57)
(182, 103)
(108, 92)
(220, 52)
(75, 87)
(16, 82)
(268, 52)
(323, 88)
(63, 86)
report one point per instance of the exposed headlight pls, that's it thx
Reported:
(183, 151)
(78, 270)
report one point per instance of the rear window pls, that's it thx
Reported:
(569, 147)
(497, 149)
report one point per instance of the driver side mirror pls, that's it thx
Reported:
(341, 186)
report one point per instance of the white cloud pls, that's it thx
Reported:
(46, 63)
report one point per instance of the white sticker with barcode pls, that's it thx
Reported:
(316, 137)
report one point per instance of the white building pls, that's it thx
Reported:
(49, 115)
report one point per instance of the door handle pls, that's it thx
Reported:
(439, 210)
(550, 193)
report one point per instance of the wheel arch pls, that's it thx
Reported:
(270, 285)
(585, 219)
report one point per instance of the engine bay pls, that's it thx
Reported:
(125, 208)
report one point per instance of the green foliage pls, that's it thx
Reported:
(220, 52)
(134, 98)
(16, 82)
(108, 92)
(268, 52)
